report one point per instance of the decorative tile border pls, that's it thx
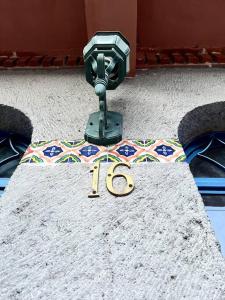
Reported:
(133, 151)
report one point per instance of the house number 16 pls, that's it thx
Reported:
(109, 180)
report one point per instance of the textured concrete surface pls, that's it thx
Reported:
(157, 243)
(153, 104)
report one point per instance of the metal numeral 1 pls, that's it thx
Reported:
(95, 180)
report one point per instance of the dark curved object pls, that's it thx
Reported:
(206, 157)
(14, 120)
(201, 121)
(12, 148)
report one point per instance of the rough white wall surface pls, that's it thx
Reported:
(157, 243)
(153, 104)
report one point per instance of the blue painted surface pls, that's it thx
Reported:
(210, 182)
(210, 186)
(3, 182)
(217, 219)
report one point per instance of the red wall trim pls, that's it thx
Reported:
(146, 58)
(52, 33)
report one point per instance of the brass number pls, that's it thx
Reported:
(111, 175)
(95, 179)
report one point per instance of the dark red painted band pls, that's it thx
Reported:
(146, 58)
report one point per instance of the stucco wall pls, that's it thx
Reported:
(157, 243)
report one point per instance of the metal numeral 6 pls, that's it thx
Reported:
(111, 175)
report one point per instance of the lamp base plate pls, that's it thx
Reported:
(112, 134)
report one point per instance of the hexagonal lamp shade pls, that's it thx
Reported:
(106, 58)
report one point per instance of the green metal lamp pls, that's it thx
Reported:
(106, 58)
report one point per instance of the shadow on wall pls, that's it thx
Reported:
(203, 119)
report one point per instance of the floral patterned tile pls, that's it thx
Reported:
(64, 152)
(166, 151)
(125, 151)
(133, 151)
